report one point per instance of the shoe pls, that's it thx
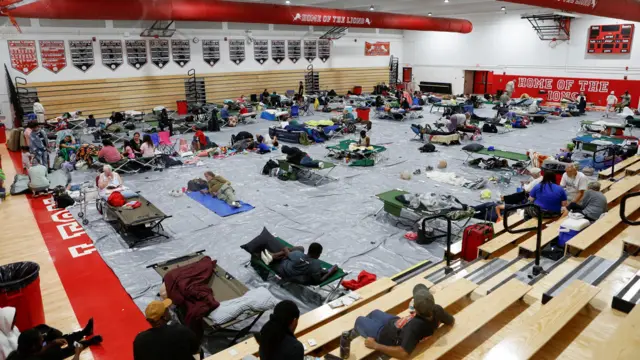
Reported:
(96, 340)
(321, 165)
(236, 204)
(88, 329)
(353, 334)
(265, 258)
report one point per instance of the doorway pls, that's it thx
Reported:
(483, 82)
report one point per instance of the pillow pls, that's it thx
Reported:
(264, 241)
(473, 147)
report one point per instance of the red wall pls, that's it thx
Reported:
(556, 88)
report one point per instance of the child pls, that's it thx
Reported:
(26, 158)
(127, 150)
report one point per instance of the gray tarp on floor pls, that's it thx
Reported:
(339, 215)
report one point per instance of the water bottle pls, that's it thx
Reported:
(345, 345)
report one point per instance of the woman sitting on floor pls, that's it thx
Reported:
(147, 148)
(67, 147)
(38, 178)
(201, 141)
(109, 154)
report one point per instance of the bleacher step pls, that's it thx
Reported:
(443, 274)
(411, 272)
(629, 296)
(591, 271)
(525, 275)
(489, 270)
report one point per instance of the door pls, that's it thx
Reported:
(468, 81)
(483, 82)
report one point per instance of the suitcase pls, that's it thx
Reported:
(13, 143)
(473, 237)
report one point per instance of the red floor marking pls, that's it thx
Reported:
(92, 287)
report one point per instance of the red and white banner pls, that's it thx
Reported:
(52, 55)
(23, 55)
(379, 48)
(554, 89)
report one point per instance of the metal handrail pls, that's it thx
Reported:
(623, 204)
(447, 254)
(537, 269)
(613, 161)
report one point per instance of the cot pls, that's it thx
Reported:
(590, 143)
(500, 154)
(309, 171)
(442, 106)
(225, 287)
(367, 157)
(331, 285)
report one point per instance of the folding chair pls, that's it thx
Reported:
(162, 142)
(295, 112)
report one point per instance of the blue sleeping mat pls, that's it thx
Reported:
(218, 206)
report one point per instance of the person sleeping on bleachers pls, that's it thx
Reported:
(398, 337)
(592, 205)
(292, 264)
(276, 338)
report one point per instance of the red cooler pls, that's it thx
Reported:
(357, 90)
(20, 288)
(363, 113)
(183, 108)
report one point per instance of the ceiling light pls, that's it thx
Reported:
(503, 8)
(372, 8)
(430, 14)
(446, 1)
(287, 2)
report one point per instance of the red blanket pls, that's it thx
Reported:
(364, 278)
(188, 287)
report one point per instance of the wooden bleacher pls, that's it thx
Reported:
(445, 297)
(619, 167)
(498, 229)
(624, 344)
(633, 169)
(528, 338)
(497, 245)
(102, 96)
(312, 319)
(630, 240)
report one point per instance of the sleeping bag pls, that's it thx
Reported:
(20, 185)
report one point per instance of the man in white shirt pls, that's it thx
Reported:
(38, 109)
(611, 103)
(574, 183)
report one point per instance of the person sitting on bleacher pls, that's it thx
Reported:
(276, 338)
(549, 196)
(592, 205)
(398, 337)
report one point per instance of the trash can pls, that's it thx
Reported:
(357, 90)
(20, 288)
(363, 113)
(182, 106)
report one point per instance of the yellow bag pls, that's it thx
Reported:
(316, 104)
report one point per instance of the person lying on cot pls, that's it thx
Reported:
(397, 337)
(592, 205)
(299, 157)
(109, 153)
(292, 264)
(364, 139)
(221, 188)
(519, 197)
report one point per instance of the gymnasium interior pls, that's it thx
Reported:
(164, 155)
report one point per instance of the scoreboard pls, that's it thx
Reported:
(610, 39)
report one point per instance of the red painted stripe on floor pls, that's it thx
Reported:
(91, 286)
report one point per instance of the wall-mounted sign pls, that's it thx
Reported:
(261, 50)
(277, 51)
(159, 52)
(211, 51)
(324, 49)
(81, 54)
(294, 48)
(23, 55)
(379, 48)
(610, 39)
(111, 52)
(52, 55)
(181, 50)
(236, 51)
(136, 52)
(310, 50)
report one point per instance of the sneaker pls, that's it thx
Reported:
(236, 204)
(353, 334)
(268, 256)
(96, 340)
(264, 257)
(88, 329)
(321, 165)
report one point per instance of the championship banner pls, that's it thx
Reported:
(111, 51)
(310, 50)
(181, 50)
(379, 48)
(52, 55)
(159, 52)
(23, 55)
(81, 54)
(261, 50)
(277, 51)
(294, 48)
(236, 51)
(324, 49)
(136, 53)
(211, 51)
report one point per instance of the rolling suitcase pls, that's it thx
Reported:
(473, 237)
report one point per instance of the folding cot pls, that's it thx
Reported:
(500, 154)
(367, 157)
(309, 171)
(442, 106)
(225, 287)
(590, 143)
(332, 284)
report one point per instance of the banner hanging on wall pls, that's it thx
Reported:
(181, 50)
(277, 51)
(52, 55)
(294, 48)
(111, 52)
(379, 48)
(236, 51)
(136, 53)
(23, 55)
(310, 50)
(324, 49)
(81, 54)
(211, 51)
(261, 50)
(159, 52)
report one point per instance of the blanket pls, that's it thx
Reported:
(255, 300)
(188, 286)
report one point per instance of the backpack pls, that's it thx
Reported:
(271, 164)
(197, 185)
(61, 198)
(304, 139)
(489, 128)
(116, 199)
(427, 148)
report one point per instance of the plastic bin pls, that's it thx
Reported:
(357, 90)
(182, 107)
(363, 113)
(20, 288)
